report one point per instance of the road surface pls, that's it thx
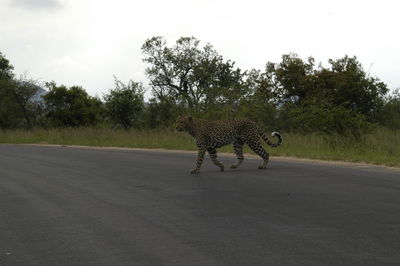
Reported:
(77, 206)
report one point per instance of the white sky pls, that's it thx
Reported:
(86, 42)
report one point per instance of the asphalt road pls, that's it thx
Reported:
(69, 206)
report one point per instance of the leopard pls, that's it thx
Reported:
(212, 134)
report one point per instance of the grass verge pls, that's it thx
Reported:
(382, 147)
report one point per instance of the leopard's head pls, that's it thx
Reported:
(184, 123)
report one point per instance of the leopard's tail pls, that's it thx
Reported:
(268, 141)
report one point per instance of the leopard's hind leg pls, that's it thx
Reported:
(238, 148)
(258, 148)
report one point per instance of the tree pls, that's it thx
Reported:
(22, 91)
(190, 76)
(9, 112)
(259, 102)
(7, 105)
(5, 68)
(161, 114)
(71, 107)
(339, 99)
(323, 118)
(346, 84)
(125, 103)
(293, 78)
(17, 109)
(390, 115)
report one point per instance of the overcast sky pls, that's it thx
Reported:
(83, 42)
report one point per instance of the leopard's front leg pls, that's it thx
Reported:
(200, 158)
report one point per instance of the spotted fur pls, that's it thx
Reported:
(210, 135)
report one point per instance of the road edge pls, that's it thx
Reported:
(224, 154)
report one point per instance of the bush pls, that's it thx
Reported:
(326, 119)
(125, 104)
(71, 107)
(390, 116)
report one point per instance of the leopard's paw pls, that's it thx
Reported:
(195, 171)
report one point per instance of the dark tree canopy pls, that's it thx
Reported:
(125, 104)
(16, 107)
(5, 68)
(71, 107)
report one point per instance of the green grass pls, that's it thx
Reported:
(382, 147)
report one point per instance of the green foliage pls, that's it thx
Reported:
(9, 111)
(71, 107)
(17, 109)
(161, 114)
(293, 95)
(390, 115)
(5, 68)
(293, 78)
(125, 104)
(22, 91)
(341, 99)
(7, 105)
(324, 118)
(260, 103)
(346, 84)
(193, 77)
